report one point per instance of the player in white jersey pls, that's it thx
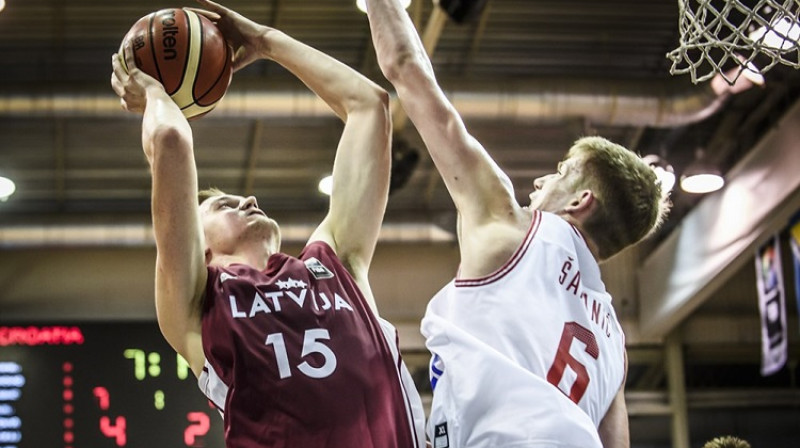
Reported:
(527, 350)
(514, 348)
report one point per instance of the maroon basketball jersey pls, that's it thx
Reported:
(296, 358)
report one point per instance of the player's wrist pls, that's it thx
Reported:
(154, 91)
(271, 42)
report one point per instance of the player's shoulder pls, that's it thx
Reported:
(318, 248)
(490, 246)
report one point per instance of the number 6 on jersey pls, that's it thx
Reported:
(573, 330)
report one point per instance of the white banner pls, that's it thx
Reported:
(772, 304)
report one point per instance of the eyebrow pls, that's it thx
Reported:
(218, 199)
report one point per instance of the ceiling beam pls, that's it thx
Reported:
(477, 37)
(275, 16)
(542, 100)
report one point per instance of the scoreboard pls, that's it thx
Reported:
(99, 385)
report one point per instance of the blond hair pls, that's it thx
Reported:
(726, 442)
(631, 203)
(202, 195)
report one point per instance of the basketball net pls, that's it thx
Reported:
(716, 35)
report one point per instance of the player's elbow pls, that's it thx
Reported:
(403, 65)
(165, 138)
(377, 98)
(372, 100)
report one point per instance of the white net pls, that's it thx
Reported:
(717, 35)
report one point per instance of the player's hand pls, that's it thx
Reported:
(245, 36)
(131, 85)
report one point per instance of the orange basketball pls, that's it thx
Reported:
(186, 52)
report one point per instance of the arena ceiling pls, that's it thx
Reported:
(530, 76)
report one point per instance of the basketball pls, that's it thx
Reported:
(185, 52)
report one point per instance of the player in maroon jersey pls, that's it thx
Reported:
(291, 349)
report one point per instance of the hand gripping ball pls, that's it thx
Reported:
(185, 52)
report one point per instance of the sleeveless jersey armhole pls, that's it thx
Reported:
(509, 265)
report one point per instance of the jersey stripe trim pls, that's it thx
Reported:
(212, 386)
(390, 334)
(511, 263)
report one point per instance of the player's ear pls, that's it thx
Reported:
(582, 202)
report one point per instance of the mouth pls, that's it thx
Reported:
(257, 212)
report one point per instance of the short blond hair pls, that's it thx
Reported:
(726, 442)
(631, 203)
(202, 195)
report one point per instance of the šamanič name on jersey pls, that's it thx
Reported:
(570, 278)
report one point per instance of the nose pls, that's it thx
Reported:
(249, 202)
(539, 182)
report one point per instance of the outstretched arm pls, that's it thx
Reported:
(478, 187)
(362, 164)
(614, 429)
(180, 267)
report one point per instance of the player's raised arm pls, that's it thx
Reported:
(362, 163)
(478, 187)
(180, 266)
(361, 169)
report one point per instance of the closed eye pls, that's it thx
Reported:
(228, 203)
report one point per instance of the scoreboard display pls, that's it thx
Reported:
(99, 385)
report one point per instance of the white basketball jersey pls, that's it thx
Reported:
(529, 356)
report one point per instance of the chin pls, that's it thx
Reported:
(264, 227)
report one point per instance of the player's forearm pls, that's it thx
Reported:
(401, 54)
(341, 87)
(162, 120)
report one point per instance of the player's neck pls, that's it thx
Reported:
(255, 256)
(577, 223)
(593, 248)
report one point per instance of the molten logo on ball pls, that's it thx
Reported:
(168, 31)
(185, 52)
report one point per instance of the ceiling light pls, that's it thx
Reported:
(362, 4)
(326, 185)
(664, 171)
(7, 186)
(698, 180)
(782, 34)
(2, 4)
(665, 177)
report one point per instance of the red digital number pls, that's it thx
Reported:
(199, 427)
(116, 431)
(101, 393)
(573, 330)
